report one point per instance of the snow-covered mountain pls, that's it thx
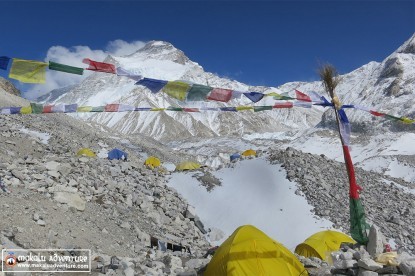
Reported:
(161, 60)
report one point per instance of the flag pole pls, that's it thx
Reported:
(358, 224)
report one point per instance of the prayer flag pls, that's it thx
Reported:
(125, 73)
(28, 71)
(59, 108)
(47, 109)
(283, 105)
(84, 109)
(157, 109)
(198, 92)
(26, 110)
(4, 62)
(36, 108)
(280, 96)
(375, 113)
(220, 95)
(187, 109)
(344, 127)
(228, 109)
(65, 68)
(407, 120)
(303, 104)
(236, 94)
(240, 108)
(254, 96)
(15, 110)
(111, 107)
(209, 108)
(5, 110)
(70, 108)
(172, 108)
(142, 109)
(152, 84)
(262, 108)
(124, 107)
(176, 89)
(302, 97)
(98, 109)
(99, 66)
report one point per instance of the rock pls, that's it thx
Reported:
(369, 264)
(376, 242)
(36, 217)
(388, 270)
(408, 268)
(41, 222)
(52, 166)
(72, 199)
(190, 272)
(196, 263)
(367, 273)
(125, 225)
(55, 174)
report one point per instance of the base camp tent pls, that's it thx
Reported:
(187, 166)
(86, 152)
(117, 154)
(249, 251)
(235, 156)
(322, 243)
(152, 162)
(249, 152)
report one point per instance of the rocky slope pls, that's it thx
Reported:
(68, 201)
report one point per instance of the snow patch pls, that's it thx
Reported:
(43, 137)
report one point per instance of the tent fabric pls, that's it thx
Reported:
(86, 152)
(322, 243)
(249, 251)
(99, 66)
(235, 156)
(28, 71)
(152, 84)
(152, 162)
(117, 154)
(249, 152)
(187, 166)
(4, 62)
(65, 68)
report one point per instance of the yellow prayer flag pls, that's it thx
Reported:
(240, 108)
(157, 109)
(84, 109)
(28, 71)
(26, 110)
(406, 120)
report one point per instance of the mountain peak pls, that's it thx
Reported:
(408, 47)
(162, 50)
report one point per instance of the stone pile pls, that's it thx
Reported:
(325, 185)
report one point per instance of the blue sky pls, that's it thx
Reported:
(255, 42)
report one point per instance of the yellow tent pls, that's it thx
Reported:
(322, 243)
(152, 162)
(249, 152)
(249, 251)
(86, 152)
(187, 166)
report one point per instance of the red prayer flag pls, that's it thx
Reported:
(99, 66)
(186, 109)
(220, 95)
(375, 113)
(353, 187)
(302, 97)
(47, 109)
(111, 107)
(283, 105)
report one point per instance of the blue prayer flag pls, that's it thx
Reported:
(4, 62)
(254, 96)
(152, 84)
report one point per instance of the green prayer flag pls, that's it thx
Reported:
(358, 225)
(65, 68)
(36, 108)
(198, 92)
(262, 108)
(171, 108)
(98, 109)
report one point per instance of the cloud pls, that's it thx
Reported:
(73, 56)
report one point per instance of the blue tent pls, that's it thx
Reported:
(117, 154)
(235, 156)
